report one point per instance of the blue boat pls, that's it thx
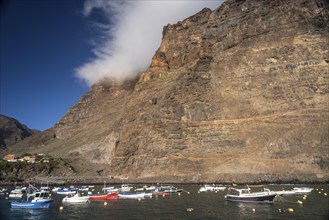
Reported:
(35, 200)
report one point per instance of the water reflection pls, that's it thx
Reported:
(28, 214)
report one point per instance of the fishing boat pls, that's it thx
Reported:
(77, 198)
(126, 195)
(35, 200)
(104, 197)
(245, 195)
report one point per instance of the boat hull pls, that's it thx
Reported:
(132, 196)
(83, 199)
(264, 198)
(104, 197)
(31, 205)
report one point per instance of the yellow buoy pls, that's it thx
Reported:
(179, 194)
(188, 192)
(304, 198)
(139, 199)
(61, 208)
(189, 209)
(290, 209)
(254, 210)
(322, 189)
(325, 194)
(305, 195)
(299, 202)
(105, 203)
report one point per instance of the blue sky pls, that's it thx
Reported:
(42, 42)
(51, 51)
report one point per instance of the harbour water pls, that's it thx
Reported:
(188, 205)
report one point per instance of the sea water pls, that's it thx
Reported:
(188, 205)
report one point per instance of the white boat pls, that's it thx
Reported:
(216, 188)
(140, 189)
(17, 193)
(206, 188)
(107, 188)
(150, 188)
(302, 189)
(77, 198)
(125, 188)
(245, 195)
(66, 191)
(284, 192)
(125, 195)
(55, 189)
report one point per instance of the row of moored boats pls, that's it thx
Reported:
(34, 198)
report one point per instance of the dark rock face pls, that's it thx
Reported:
(12, 131)
(239, 93)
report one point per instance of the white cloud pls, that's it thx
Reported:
(130, 34)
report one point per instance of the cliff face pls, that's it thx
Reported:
(239, 93)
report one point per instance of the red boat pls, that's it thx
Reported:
(105, 197)
(160, 193)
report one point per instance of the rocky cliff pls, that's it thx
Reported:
(235, 94)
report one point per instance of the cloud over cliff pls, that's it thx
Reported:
(129, 33)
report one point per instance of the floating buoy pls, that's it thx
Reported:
(253, 210)
(299, 202)
(216, 191)
(325, 194)
(49, 195)
(105, 203)
(304, 198)
(6, 197)
(319, 192)
(61, 208)
(290, 210)
(179, 194)
(188, 192)
(97, 192)
(139, 199)
(189, 209)
(163, 195)
(281, 210)
(305, 195)
(322, 189)
(198, 191)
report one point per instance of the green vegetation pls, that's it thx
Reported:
(21, 169)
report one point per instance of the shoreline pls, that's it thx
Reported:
(61, 181)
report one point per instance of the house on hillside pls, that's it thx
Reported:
(10, 158)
